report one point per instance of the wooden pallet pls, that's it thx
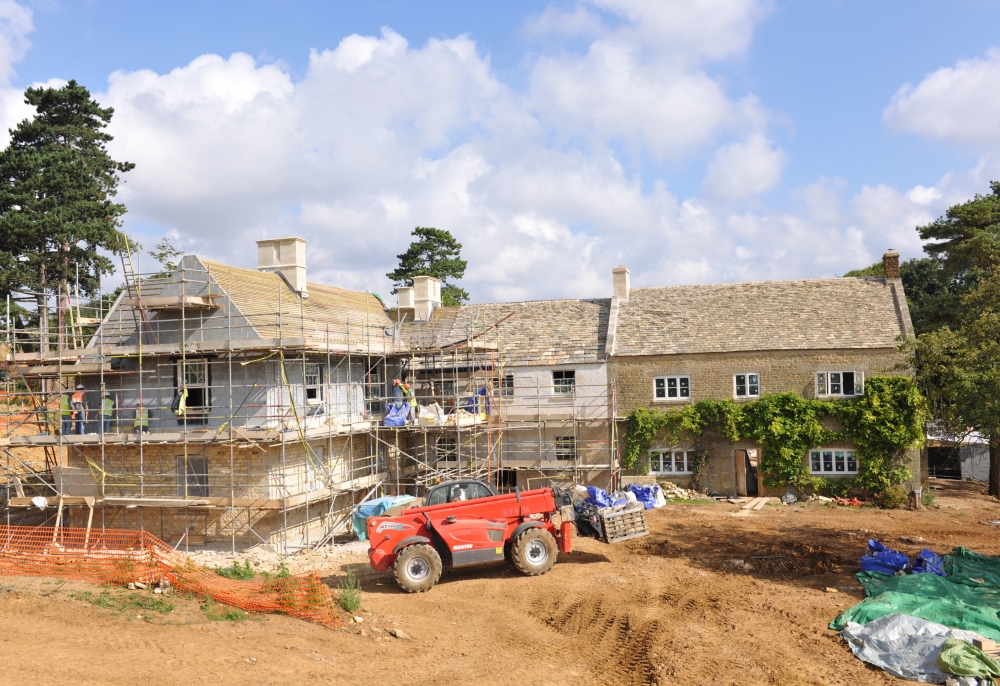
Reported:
(623, 525)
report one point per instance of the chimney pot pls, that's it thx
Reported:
(620, 279)
(890, 264)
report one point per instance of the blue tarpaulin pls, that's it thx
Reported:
(644, 494)
(929, 562)
(395, 415)
(883, 560)
(599, 497)
(374, 508)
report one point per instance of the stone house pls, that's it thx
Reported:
(673, 346)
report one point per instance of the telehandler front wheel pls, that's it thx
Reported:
(417, 568)
(534, 551)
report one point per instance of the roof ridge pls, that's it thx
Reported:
(833, 279)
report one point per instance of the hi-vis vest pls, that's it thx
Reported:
(141, 418)
(107, 406)
(66, 411)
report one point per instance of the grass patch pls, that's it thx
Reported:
(349, 597)
(235, 571)
(690, 501)
(222, 613)
(126, 603)
(928, 498)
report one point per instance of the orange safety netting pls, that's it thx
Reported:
(120, 556)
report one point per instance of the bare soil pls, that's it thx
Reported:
(710, 597)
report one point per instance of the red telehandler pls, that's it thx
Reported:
(516, 527)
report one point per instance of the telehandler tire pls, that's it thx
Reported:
(417, 568)
(534, 552)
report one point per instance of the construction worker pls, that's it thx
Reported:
(78, 404)
(141, 423)
(408, 393)
(107, 412)
(67, 414)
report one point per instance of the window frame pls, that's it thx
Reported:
(681, 386)
(446, 454)
(685, 456)
(181, 369)
(565, 448)
(748, 384)
(565, 384)
(317, 386)
(817, 456)
(824, 383)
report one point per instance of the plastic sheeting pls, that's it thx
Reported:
(882, 559)
(395, 415)
(600, 498)
(904, 646)
(929, 562)
(927, 596)
(374, 508)
(645, 494)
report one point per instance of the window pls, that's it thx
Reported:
(565, 448)
(457, 492)
(671, 387)
(840, 383)
(832, 461)
(192, 477)
(193, 375)
(507, 386)
(564, 381)
(314, 383)
(446, 449)
(448, 389)
(670, 461)
(747, 385)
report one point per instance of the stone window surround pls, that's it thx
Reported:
(859, 383)
(679, 398)
(819, 452)
(748, 395)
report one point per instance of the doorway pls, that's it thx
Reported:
(745, 467)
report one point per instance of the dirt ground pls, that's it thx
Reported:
(710, 597)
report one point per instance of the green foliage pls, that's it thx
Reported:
(928, 498)
(222, 614)
(835, 488)
(236, 571)
(968, 235)
(883, 424)
(56, 196)
(350, 592)
(894, 497)
(435, 253)
(166, 254)
(877, 269)
(127, 603)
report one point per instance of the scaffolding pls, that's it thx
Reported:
(208, 423)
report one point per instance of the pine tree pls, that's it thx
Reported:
(435, 253)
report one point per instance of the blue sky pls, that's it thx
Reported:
(723, 140)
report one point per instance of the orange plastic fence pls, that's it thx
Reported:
(120, 556)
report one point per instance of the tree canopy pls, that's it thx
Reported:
(57, 189)
(435, 252)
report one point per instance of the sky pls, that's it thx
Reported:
(693, 141)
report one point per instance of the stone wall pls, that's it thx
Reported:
(712, 373)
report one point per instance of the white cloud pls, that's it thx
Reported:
(955, 104)
(15, 25)
(744, 168)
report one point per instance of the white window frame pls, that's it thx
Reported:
(750, 380)
(680, 384)
(564, 385)
(659, 457)
(183, 366)
(447, 452)
(818, 456)
(827, 381)
(313, 369)
(565, 447)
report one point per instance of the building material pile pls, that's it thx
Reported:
(672, 490)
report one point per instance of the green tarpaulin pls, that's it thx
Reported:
(964, 659)
(969, 598)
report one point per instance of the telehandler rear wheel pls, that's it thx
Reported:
(534, 551)
(417, 568)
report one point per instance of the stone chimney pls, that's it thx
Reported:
(404, 297)
(426, 296)
(621, 286)
(890, 264)
(285, 256)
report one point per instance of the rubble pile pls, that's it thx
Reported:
(672, 490)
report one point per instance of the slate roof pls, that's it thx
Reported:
(805, 314)
(538, 332)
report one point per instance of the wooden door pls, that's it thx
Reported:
(740, 470)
